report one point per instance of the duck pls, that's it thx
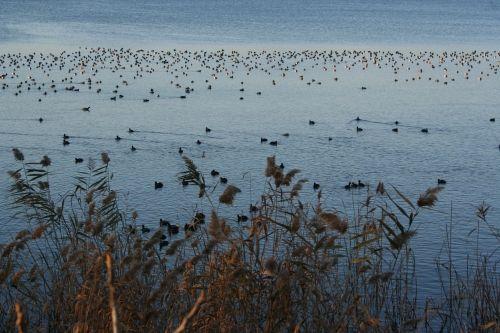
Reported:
(130, 130)
(360, 184)
(198, 142)
(424, 130)
(158, 185)
(180, 150)
(207, 130)
(40, 119)
(172, 228)
(65, 142)
(312, 122)
(118, 138)
(78, 160)
(223, 180)
(395, 130)
(145, 229)
(358, 119)
(133, 148)
(315, 186)
(145, 100)
(282, 166)
(492, 120)
(441, 181)
(273, 143)
(262, 140)
(242, 218)
(65, 136)
(214, 173)
(87, 109)
(359, 129)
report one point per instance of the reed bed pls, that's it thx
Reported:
(83, 263)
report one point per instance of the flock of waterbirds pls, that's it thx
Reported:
(73, 72)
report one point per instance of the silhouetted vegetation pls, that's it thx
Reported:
(83, 263)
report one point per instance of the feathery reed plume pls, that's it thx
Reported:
(217, 228)
(105, 158)
(38, 232)
(289, 176)
(482, 211)
(271, 166)
(297, 187)
(334, 222)
(380, 188)
(45, 162)
(401, 239)
(19, 318)
(114, 316)
(192, 313)
(429, 198)
(227, 197)
(16, 175)
(192, 176)
(270, 266)
(295, 223)
(18, 155)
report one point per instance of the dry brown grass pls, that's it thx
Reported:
(82, 264)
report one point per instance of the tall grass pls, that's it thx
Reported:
(82, 263)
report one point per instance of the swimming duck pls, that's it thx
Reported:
(158, 185)
(242, 218)
(78, 160)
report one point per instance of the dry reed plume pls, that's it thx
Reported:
(82, 263)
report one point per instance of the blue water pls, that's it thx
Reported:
(462, 145)
(365, 23)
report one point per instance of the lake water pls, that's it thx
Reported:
(462, 145)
